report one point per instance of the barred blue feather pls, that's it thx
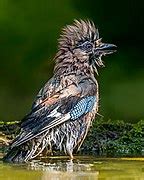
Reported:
(84, 106)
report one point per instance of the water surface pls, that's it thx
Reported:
(81, 168)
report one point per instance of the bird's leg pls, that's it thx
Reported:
(71, 155)
(69, 152)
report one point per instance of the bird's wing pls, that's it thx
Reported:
(64, 106)
(49, 89)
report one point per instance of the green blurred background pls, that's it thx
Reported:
(29, 30)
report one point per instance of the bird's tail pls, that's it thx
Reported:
(27, 151)
(15, 155)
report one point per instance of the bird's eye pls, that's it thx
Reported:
(86, 46)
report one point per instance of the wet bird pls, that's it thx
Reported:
(65, 107)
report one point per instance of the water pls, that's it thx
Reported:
(81, 168)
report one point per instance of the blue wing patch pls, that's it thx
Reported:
(84, 106)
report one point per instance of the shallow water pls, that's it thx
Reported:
(81, 168)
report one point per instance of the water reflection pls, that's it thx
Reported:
(82, 168)
(64, 169)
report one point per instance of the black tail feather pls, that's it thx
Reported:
(15, 155)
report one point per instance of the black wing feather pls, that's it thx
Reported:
(38, 122)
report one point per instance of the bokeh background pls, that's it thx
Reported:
(29, 30)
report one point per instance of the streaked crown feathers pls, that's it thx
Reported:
(80, 31)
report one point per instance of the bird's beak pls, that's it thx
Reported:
(105, 48)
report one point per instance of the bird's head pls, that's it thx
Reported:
(82, 41)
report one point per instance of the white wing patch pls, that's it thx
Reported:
(55, 113)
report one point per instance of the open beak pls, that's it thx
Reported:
(99, 51)
(105, 48)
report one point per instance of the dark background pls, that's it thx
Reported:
(29, 30)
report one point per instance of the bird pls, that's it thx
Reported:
(64, 109)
